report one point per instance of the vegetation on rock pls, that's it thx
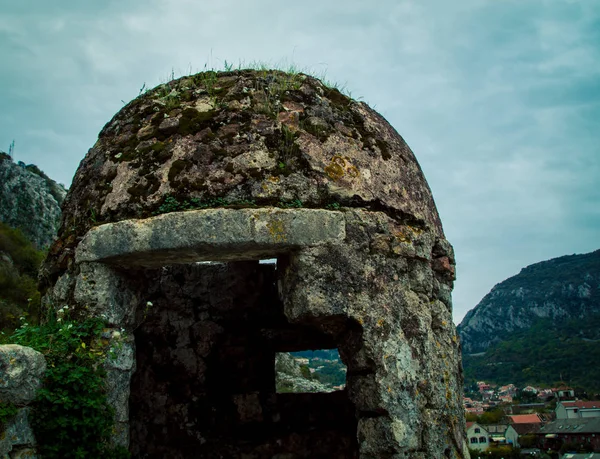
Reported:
(19, 264)
(538, 327)
(546, 354)
(71, 417)
(7, 412)
(239, 138)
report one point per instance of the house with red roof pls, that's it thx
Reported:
(577, 409)
(525, 419)
(525, 423)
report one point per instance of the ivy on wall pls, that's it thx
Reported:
(71, 417)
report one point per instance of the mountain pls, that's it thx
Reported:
(540, 326)
(29, 218)
(19, 264)
(30, 201)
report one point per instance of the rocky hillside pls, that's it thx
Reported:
(560, 289)
(291, 376)
(19, 264)
(540, 326)
(310, 371)
(30, 201)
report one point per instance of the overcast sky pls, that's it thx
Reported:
(499, 99)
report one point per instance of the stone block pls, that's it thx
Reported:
(21, 373)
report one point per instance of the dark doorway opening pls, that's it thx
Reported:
(205, 380)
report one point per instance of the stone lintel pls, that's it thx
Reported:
(210, 235)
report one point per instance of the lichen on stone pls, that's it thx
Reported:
(252, 164)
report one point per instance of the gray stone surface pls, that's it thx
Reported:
(30, 201)
(17, 437)
(372, 277)
(391, 279)
(105, 293)
(21, 373)
(211, 234)
(407, 364)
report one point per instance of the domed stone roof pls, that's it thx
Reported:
(266, 165)
(243, 139)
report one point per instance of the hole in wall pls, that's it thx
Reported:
(309, 371)
(268, 261)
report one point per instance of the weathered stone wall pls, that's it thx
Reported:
(395, 281)
(301, 173)
(376, 289)
(21, 373)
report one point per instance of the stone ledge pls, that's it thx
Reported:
(210, 234)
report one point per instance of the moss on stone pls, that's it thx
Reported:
(177, 167)
(321, 131)
(208, 154)
(385, 150)
(149, 185)
(337, 98)
(193, 121)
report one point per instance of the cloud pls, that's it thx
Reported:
(498, 99)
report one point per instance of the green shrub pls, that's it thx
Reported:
(22, 252)
(18, 286)
(71, 417)
(7, 412)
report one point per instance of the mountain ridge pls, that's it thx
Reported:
(559, 288)
(30, 201)
(538, 326)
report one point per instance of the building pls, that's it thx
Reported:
(477, 436)
(577, 409)
(509, 389)
(564, 393)
(502, 434)
(185, 154)
(525, 423)
(580, 431)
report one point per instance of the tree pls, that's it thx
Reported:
(471, 417)
(528, 441)
(526, 396)
(491, 417)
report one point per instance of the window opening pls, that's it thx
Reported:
(309, 371)
(268, 261)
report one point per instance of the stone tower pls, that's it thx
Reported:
(186, 189)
